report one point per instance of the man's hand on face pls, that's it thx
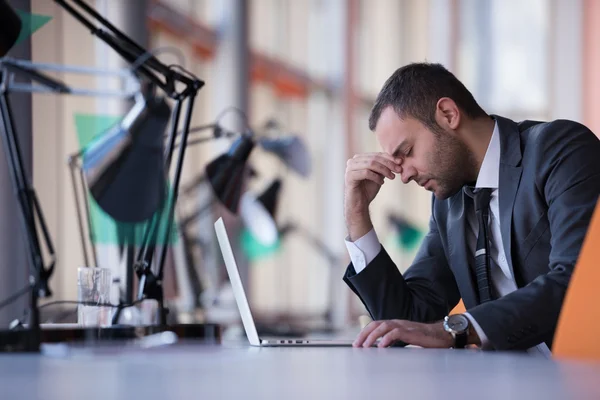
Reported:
(365, 173)
(415, 333)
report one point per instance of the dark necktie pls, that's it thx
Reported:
(482, 250)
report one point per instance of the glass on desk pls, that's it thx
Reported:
(93, 287)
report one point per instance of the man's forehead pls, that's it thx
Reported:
(390, 124)
(392, 132)
(388, 117)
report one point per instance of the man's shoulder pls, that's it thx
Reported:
(548, 137)
(558, 149)
(545, 130)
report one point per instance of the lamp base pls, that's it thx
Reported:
(22, 340)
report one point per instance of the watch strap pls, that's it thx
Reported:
(460, 340)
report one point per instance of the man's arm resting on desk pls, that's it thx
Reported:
(362, 252)
(416, 333)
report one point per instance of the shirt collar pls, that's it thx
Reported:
(489, 172)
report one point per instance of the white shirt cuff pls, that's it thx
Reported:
(363, 250)
(485, 343)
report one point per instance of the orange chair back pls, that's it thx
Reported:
(459, 309)
(578, 331)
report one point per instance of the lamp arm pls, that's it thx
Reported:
(48, 84)
(150, 284)
(151, 68)
(218, 133)
(76, 172)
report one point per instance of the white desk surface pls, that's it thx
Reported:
(237, 371)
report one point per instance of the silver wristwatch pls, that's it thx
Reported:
(458, 326)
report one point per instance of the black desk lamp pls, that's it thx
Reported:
(124, 168)
(226, 173)
(110, 175)
(113, 162)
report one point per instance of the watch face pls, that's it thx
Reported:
(458, 323)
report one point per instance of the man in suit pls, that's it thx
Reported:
(510, 207)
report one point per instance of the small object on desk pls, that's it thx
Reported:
(158, 339)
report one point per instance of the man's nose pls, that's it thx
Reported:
(407, 174)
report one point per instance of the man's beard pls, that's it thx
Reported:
(451, 163)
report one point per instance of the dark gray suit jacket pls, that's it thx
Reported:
(548, 188)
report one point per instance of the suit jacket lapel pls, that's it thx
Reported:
(459, 262)
(509, 179)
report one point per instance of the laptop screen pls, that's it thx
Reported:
(236, 283)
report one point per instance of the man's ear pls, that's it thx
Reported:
(447, 114)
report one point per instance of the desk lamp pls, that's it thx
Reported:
(112, 163)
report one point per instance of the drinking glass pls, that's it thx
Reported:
(93, 287)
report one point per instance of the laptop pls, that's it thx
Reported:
(242, 302)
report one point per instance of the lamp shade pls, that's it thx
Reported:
(124, 167)
(10, 27)
(226, 173)
(291, 150)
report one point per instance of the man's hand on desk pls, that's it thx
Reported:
(414, 333)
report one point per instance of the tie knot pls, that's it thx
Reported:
(482, 198)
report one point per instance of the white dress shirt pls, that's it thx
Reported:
(365, 249)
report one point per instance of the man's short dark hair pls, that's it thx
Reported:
(414, 90)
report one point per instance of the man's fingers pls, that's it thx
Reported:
(387, 156)
(387, 332)
(375, 165)
(364, 333)
(384, 158)
(366, 161)
(389, 338)
(366, 174)
(380, 331)
(415, 333)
